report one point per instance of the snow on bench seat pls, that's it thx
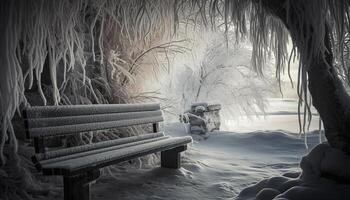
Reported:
(91, 118)
(93, 109)
(96, 151)
(82, 163)
(94, 146)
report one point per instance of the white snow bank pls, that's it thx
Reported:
(325, 175)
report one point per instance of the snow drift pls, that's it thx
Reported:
(218, 167)
(325, 175)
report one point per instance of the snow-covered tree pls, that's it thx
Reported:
(218, 71)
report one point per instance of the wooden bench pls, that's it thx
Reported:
(81, 165)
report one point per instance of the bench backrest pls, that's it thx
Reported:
(49, 121)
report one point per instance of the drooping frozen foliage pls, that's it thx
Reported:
(73, 52)
(318, 31)
(63, 50)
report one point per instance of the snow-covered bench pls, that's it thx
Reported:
(81, 165)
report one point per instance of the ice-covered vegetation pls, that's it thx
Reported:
(218, 70)
(73, 52)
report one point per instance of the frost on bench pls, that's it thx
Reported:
(118, 155)
(80, 165)
(72, 110)
(101, 150)
(83, 119)
(68, 129)
(93, 146)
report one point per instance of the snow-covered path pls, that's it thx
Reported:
(216, 168)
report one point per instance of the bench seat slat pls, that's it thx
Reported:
(83, 119)
(93, 146)
(73, 110)
(76, 128)
(106, 158)
(97, 151)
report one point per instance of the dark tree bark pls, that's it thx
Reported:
(327, 91)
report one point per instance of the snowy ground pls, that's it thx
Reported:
(215, 168)
(218, 167)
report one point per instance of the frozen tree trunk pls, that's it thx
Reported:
(328, 94)
(330, 99)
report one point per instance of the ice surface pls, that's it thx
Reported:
(280, 115)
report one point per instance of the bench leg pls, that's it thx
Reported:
(172, 158)
(78, 186)
(39, 145)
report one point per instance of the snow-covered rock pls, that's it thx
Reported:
(202, 117)
(325, 176)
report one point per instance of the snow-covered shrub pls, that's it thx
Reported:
(202, 118)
